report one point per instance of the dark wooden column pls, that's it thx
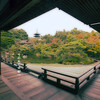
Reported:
(0, 52)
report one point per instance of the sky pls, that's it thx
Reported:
(52, 21)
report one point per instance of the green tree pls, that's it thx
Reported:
(47, 38)
(72, 53)
(61, 35)
(6, 34)
(6, 42)
(19, 34)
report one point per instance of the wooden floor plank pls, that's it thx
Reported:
(21, 79)
(94, 93)
(15, 90)
(43, 95)
(20, 84)
(6, 70)
(15, 77)
(1, 82)
(87, 97)
(6, 93)
(32, 85)
(34, 91)
(61, 95)
(9, 95)
(4, 88)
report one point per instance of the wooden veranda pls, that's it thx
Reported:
(22, 86)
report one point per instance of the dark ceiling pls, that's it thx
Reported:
(16, 12)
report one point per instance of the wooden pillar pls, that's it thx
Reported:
(24, 66)
(0, 52)
(12, 62)
(77, 85)
(94, 70)
(58, 81)
(99, 68)
(45, 74)
(0, 66)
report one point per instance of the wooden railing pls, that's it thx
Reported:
(78, 81)
(22, 67)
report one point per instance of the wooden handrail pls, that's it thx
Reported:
(77, 83)
(61, 79)
(60, 73)
(88, 70)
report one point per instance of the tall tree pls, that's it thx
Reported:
(19, 34)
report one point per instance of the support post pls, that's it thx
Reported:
(0, 67)
(88, 78)
(94, 70)
(45, 74)
(58, 81)
(8, 62)
(12, 62)
(0, 52)
(24, 66)
(77, 85)
(0, 64)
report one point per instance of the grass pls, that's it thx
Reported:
(39, 60)
(51, 62)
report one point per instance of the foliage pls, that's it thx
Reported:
(67, 47)
(72, 53)
(47, 38)
(93, 45)
(12, 36)
(19, 34)
(6, 34)
(61, 35)
(6, 42)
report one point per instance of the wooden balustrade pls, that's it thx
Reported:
(77, 82)
(44, 75)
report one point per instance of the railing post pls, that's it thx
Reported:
(99, 66)
(88, 78)
(12, 62)
(95, 70)
(24, 66)
(77, 85)
(58, 81)
(5, 60)
(17, 66)
(0, 68)
(45, 74)
(8, 62)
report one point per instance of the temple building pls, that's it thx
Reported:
(36, 35)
